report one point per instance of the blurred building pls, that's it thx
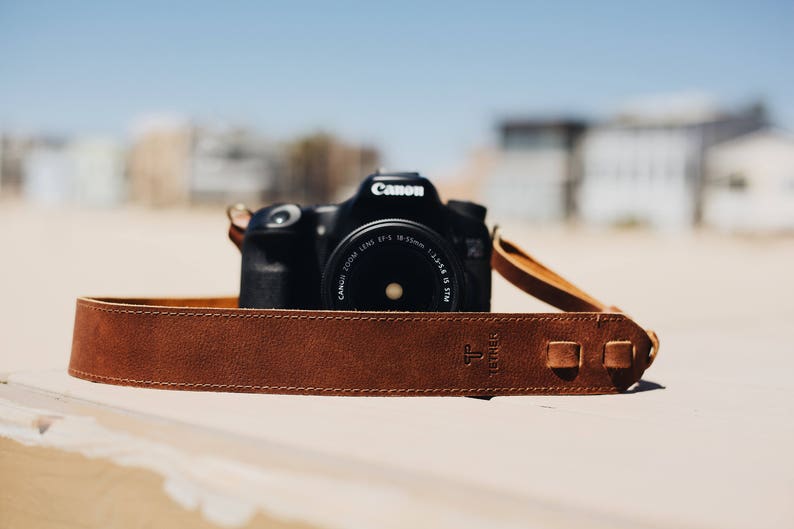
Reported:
(97, 166)
(750, 183)
(173, 163)
(535, 172)
(159, 162)
(323, 169)
(647, 166)
(48, 173)
(232, 166)
(13, 151)
(85, 172)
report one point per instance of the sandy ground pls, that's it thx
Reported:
(709, 448)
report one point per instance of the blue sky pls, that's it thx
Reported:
(424, 81)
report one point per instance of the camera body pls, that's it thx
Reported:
(392, 246)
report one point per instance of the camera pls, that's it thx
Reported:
(392, 246)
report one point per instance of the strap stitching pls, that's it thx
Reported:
(597, 317)
(338, 390)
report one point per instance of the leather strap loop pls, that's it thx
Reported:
(239, 216)
(654, 346)
(529, 275)
(539, 281)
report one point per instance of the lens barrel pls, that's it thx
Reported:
(393, 265)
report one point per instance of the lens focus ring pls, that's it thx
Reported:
(393, 265)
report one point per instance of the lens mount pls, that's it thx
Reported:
(393, 265)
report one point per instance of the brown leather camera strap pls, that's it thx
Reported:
(210, 345)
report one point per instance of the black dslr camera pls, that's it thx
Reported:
(393, 246)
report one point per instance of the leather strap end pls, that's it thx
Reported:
(654, 347)
(536, 279)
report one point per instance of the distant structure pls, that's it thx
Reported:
(668, 163)
(233, 165)
(750, 183)
(98, 178)
(159, 162)
(13, 150)
(174, 163)
(535, 172)
(47, 173)
(323, 169)
(647, 165)
(84, 172)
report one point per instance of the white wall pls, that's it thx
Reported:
(528, 185)
(765, 162)
(215, 175)
(87, 172)
(48, 175)
(639, 175)
(98, 172)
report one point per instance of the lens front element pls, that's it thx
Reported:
(393, 265)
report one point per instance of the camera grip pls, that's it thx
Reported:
(268, 275)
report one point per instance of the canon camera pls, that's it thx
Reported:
(393, 246)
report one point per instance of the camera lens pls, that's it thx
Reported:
(393, 265)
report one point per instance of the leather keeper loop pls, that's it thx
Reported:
(563, 355)
(618, 355)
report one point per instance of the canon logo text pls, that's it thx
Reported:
(398, 190)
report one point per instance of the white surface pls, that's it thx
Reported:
(710, 449)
